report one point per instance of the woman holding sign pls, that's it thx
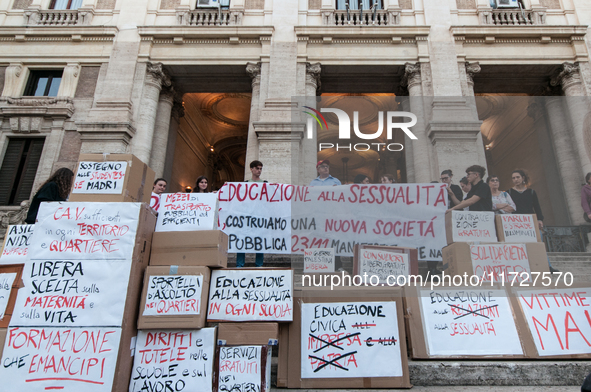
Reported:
(502, 202)
(526, 200)
(56, 188)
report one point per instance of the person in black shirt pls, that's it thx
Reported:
(526, 199)
(480, 197)
(56, 188)
(452, 189)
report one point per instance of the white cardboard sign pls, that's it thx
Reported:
(83, 231)
(241, 369)
(558, 319)
(66, 293)
(471, 226)
(100, 177)
(383, 263)
(350, 339)
(318, 260)
(187, 212)
(251, 295)
(6, 282)
(469, 322)
(174, 360)
(519, 228)
(16, 244)
(170, 295)
(69, 359)
(492, 260)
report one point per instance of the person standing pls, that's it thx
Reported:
(56, 188)
(361, 179)
(502, 202)
(388, 179)
(201, 185)
(256, 168)
(452, 189)
(158, 188)
(526, 199)
(586, 198)
(479, 198)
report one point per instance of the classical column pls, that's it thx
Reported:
(566, 155)
(310, 146)
(420, 148)
(178, 111)
(471, 70)
(161, 129)
(569, 78)
(252, 144)
(142, 141)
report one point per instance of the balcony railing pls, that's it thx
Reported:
(58, 17)
(513, 17)
(362, 18)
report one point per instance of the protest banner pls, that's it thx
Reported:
(155, 202)
(498, 262)
(244, 369)
(251, 295)
(465, 322)
(41, 359)
(558, 319)
(350, 339)
(470, 226)
(66, 293)
(318, 260)
(187, 212)
(174, 361)
(170, 295)
(82, 231)
(16, 244)
(6, 282)
(383, 262)
(518, 228)
(100, 177)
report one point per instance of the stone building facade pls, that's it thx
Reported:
(198, 91)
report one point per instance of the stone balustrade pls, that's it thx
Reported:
(513, 17)
(361, 18)
(213, 17)
(78, 17)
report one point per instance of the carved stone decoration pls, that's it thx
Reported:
(313, 75)
(254, 71)
(27, 114)
(157, 76)
(13, 216)
(328, 18)
(567, 76)
(535, 109)
(69, 80)
(471, 70)
(412, 75)
(12, 82)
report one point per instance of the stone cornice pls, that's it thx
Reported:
(180, 34)
(380, 34)
(507, 32)
(57, 33)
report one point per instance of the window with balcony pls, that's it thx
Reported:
(358, 4)
(224, 4)
(65, 4)
(18, 170)
(43, 83)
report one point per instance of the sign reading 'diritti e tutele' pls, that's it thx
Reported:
(171, 295)
(173, 361)
(16, 244)
(251, 295)
(100, 177)
(85, 231)
(74, 359)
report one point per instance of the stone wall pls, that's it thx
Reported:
(553, 4)
(106, 4)
(87, 82)
(2, 72)
(405, 4)
(314, 4)
(466, 4)
(169, 4)
(21, 4)
(255, 4)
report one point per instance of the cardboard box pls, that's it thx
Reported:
(2, 339)
(234, 334)
(227, 374)
(289, 368)
(412, 253)
(11, 268)
(520, 228)
(179, 290)
(470, 226)
(457, 259)
(137, 183)
(207, 248)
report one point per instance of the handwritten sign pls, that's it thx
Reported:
(69, 293)
(6, 282)
(100, 177)
(383, 263)
(187, 212)
(469, 322)
(490, 261)
(82, 231)
(469, 226)
(350, 339)
(170, 295)
(16, 244)
(319, 260)
(41, 359)
(558, 319)
(173, 361)
(155, 201)
(242, 369)
(251, 295)
(519, 228)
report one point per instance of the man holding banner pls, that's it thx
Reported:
(256, 168)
